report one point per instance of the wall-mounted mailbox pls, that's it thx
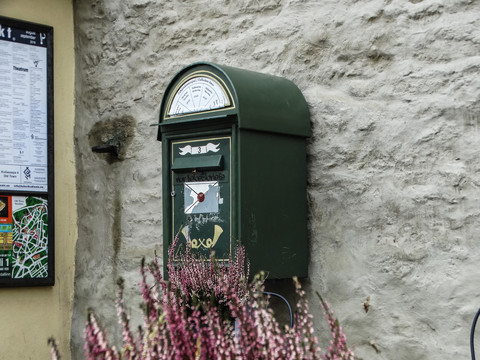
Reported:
(234, 166)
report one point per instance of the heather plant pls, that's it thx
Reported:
(208, 310)
(201, 281)
(54, 349)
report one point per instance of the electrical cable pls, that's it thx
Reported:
(286, 302)
(472, 333)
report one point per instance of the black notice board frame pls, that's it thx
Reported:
(34, 35)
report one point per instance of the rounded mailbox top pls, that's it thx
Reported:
(258, 101)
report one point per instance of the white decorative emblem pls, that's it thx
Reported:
(194, 150)
(198, 94)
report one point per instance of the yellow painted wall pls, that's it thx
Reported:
(28, 316)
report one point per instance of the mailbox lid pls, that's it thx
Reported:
(258, 101)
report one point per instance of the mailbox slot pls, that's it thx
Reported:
(212, 162)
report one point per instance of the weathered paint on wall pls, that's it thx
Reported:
(394, 175)
(29, 316)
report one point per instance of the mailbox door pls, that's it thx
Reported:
(201, 193)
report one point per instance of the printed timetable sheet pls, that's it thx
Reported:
(23, 111)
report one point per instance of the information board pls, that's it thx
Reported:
(26, 154)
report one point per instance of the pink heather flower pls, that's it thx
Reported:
(338, 349)
(96, 344)
(130, 348)
(208, 310)
(54, 349)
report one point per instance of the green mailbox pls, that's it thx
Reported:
(234, 166)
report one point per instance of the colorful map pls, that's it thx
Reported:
(29, 256)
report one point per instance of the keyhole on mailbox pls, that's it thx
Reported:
(200, 197)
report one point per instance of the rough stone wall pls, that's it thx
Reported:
(394, 174)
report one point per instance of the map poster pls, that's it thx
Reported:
(26, 154)
(24, 240)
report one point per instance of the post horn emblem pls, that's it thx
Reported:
(206, 243)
